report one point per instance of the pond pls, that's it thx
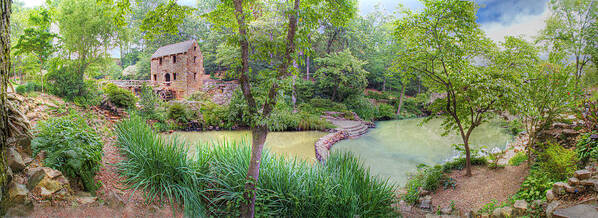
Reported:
(298, 144)
(397, 147)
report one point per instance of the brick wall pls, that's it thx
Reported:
(188, 69)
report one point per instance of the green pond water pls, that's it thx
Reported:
(394, 148)
(290, 144)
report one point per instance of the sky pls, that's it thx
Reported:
(498, 18)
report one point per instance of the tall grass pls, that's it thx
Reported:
(212, 180)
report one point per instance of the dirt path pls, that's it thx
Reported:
(471, 193)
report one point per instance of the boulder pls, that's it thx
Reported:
(520, 207)
(496, 213)
(580, 210)
(582, 174)
(21, 141)
(86, 200)
(15, 161)
(49, 179)
(558, 188)
(573, 181)
(426, 204)
(550, 196)
(17, 193)
(506, 212)
(551, 207)
(446, 210)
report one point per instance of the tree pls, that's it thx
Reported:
(5, 10)
(446, 46)
(341, 75)
(570, 29)
(37, 39)
(86, 29)
(545, 87)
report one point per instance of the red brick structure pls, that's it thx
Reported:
(178, 68)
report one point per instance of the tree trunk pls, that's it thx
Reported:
(467, 157)
(5, 10)
(259, 135)
(384, 84)
(401, 99)
(294, 93)
(41, 72)
(307, 69)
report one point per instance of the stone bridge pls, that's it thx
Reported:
(161, 88)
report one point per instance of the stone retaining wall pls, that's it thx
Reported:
(324, 144)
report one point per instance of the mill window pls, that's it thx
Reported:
(160, 61)
(194, 59)
(174, 59)
(155, 77)
(174, 76)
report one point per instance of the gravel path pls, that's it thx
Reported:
(485, 185)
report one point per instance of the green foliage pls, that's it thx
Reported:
(71, 146)
(64, 81)
(385, 112)
(214, 178)
(460, 163)
(428, 178)
(515, 127)
(179, 113)
(28, 87)
(557, 163)
(518, 159)
(587, 148)
(149, 102)
(490, 207)
(120, 97)
(362, 107)
(341, 75)
(534, 186)
(216, 115)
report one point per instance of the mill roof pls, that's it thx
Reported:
(175, 48)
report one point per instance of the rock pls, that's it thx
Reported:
(497, 213)
(591, 183)
(446, 210)
(573, 181)
(50, 179)
(423, 192)
(14, 160)
(426, 204)
(43, 192)
(17, 193)
(551, 207)
(86, 200)
(570, 189)
(580, 210)
(558, 188)
(550, 196)
(582, 174)
(506, 212)
(520, 207)
(21, 141)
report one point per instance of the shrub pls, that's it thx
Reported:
(459, 163)
(362, 107)
(489, 207)
(178, 112)
(318, 105)
(65, 81)
(515, 127)
(214, 178)
(587, 148)
(72, 146)
(28, 87)
(557, 162)
(385, 112)
(519, 158)
(534, 187)
(149, 103)
(120, 97)
(427, 178)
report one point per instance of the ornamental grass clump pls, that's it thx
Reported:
(71, 146)
(211, 181)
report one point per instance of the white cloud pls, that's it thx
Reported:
(524, 25)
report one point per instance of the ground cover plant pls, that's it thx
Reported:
(72, 146)
(212, 179)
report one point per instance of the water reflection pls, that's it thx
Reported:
(291, 144)
(394, 148)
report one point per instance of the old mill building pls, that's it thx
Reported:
(178, 68)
